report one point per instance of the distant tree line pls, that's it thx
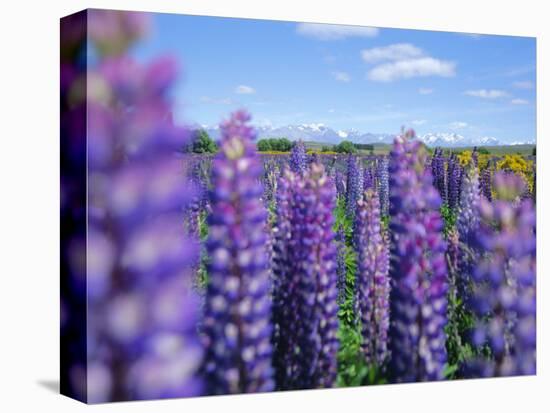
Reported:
(201, 143)
(285, 145)
(274, 144)
(348, 147)
(365, 146)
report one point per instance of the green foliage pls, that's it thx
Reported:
(345, 147)
(364, 146)
(272, 212)
(449, 217)
(274, 144)
(460, 320)
(482, 150)
(202, 274)
(385, 222)
(346, 312)
(352, 368)
(203, 143)
(460, 323)
(450, 370)
(326, 148)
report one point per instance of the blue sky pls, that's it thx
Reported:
(349, 77)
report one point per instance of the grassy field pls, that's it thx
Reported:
(379, 148)
(384, 149)
(504, 150)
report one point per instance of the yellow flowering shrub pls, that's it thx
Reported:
(483, 160)
(465, 157)
(519, 165)
(273, 153)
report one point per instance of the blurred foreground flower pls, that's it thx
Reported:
(504, 294)
(141, 311)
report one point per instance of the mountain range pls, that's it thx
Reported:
(318, 132)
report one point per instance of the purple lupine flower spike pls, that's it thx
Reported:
(454, 177)
(475, 157)
(486, 185)
(341, 265)
(382, 179)
(467, 225)
(298, 158)
(305, 303)
(269, 182)
(468, 211)
(368, 178)
(340, 182)
(285, 293)
(372, 280)
(237, 324)
(197, 204)
(418, 270)
(354, 185)
(504, 291)
(438, 173)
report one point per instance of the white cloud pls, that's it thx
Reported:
(404, 61)
(341, 76)
(519, 102)
(322, 31)
(525, 84)
(216, 101)
(487, 93)
(245, 90)
(418, 122)
(406, 69)
(393, 52)
(458, 125)
(331, 110)
(425, 91)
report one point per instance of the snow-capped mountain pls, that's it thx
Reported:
(526, 142)
(489, 141)
(443, 139)
(456, 140)
(319, 132)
